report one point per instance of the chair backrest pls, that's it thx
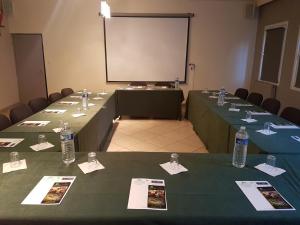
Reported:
(54, 97)
(66, 91)
(241, 93)
(4, 122)
(160, 84)
(19, 113)
(138, 83)
(38, 104)
(272, 105)
(255, 98)
(291, 114)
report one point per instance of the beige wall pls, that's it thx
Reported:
(9, 94)
(221, 39)
(278, 11)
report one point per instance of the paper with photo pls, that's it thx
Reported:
(271, 170)
(147, 194)
(68, 103)
(56, 111)
(42, 146)
(33, 123)
(263, 196)
(233, 109)
(10, 142)
(78, 114)
(88, 167)
(14, 166)
(266, 132)
(284, 126)
(173, 168)
(250, 120)
(49, 191)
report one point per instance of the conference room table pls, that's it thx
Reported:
(91, 130)
(216, 125)
(149, 102)
(206, 194)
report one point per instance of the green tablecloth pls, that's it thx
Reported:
(207, 194)
(91, 130)
(213, 123)
(279, 143)
(154, 103)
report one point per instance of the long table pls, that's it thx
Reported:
(90, 130)
(163, 103)
(216, 125)
(206, 194)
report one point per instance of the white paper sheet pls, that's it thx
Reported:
(78, 114)
(91, 104)
(10, 142)
(76, 96)
(271, 170)
(260, 113)
(266, 132)
(49, 191)
(80, 92)
(233, 110)
(87, 167)
(138, 196)
(68, 103)
(257, 199)
(102, 93)
(34, 123)
(284, 126)
(42, 146)
(212, 96)
(172, 168)
(57, 111)
(9, 167)
(250, 120)
(98, 98)
(57, 130)
(296, 138)
(241, 104)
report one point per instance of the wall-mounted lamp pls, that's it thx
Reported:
(105, 9)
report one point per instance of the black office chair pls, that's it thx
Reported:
(138, 83)
(241, 93)
(272, 105)
(291, 114)
(255, 98)
(163, 84)
(54, 97)
(19, 113)
(66, 91)
(4, 122)
(38, 104)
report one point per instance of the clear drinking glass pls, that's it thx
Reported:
(271, 160)
(248, 115)
(174, 160)
(14, 159)
(42, 139)
(92, 159)
(232, 105)
(267, 127)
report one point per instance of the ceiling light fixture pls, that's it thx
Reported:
(105, 9)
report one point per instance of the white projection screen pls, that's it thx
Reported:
(146, 48)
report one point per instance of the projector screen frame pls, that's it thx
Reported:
(150, 15)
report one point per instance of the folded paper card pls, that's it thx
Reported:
(10, 142)
(78, 114)
(14, 166)
(98, 98)
(260, 113)
(271, 170)
(173, 168)
(266, 132)
(241, 104)
(284, 126)
(57, 130)
(250, 120)
(55, 111)
(33, 124)
(42, 146)
(88, 167)
(68, 103)
(233, 110)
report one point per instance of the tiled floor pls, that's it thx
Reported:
(155, 136)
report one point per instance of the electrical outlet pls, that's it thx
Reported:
(192, 66)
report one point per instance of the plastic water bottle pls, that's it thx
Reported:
(67, 144)
(240, 148)
(85, 97)
(176, 83)
(221, 97)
